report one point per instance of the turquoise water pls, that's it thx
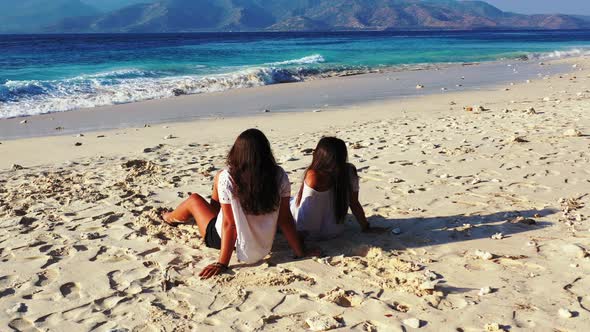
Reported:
(53, 73)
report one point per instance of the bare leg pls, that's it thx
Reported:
(195, 206)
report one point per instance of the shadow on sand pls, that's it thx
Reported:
(419, 232)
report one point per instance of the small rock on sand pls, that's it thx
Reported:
(419, 86)
(492, 327)
(17, 167)
(90, 236)
(565, 313)
(169, 137)
(396, 180)
(519, 139)
(23, 122)
(572, 133)
(485, 291)
(414, 323)
(486, 256)
(498, 236)
(78, 144)
(323, 323)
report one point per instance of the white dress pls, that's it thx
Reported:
(256, 233)
(316, 216)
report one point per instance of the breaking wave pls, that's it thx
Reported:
(559, 54)
(23, 98)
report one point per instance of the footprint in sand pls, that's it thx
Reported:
(70, 291)
(343, 298)
(46, 277)
(22, 325)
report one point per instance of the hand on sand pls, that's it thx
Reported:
(213, 270)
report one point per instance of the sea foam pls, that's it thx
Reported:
(24, 98)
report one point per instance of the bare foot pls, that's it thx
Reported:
(166, 216)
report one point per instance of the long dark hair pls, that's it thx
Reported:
(330, 157)
(255, 173)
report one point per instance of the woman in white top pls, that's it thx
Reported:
(330, 187)
(250, 198)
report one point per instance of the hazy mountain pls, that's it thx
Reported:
(32, 15)
(287, 15)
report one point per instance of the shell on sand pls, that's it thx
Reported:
(414, 323)
(323, 323)
(486, 256)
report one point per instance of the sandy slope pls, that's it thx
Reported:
(81, 248)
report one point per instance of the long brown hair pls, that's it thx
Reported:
(331, 157)
(255, 173)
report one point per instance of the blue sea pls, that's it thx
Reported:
(56, 73)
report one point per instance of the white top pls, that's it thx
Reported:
(255, 233)
(316, 216)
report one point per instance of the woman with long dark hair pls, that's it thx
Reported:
(250, 198)
(330, 187)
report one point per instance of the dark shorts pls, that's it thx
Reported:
(212, 239)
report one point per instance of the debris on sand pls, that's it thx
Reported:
(572, 133)
(486, 256)
(498, 236)
(493, 327)
(565, 313)
(419, 86)
(519, 139)
(414, 323)
(485, 291)
(323, 323)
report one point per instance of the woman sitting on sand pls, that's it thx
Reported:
(330, 186)
(250, 197)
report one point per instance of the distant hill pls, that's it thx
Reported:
(307, 15)
(34, 15)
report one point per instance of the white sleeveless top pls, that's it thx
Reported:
(316, 216)
(256, 233)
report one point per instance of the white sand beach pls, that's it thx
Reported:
(487, 194)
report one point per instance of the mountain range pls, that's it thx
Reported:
(76, 16)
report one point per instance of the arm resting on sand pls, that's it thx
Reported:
(228, 243)
(358, 212)
(287, 225)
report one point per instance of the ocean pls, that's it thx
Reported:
(55, 73)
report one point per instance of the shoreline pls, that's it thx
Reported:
(323, 94)
(491, 208)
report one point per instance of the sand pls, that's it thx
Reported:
(487, 194)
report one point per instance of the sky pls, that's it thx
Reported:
(578, 7)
